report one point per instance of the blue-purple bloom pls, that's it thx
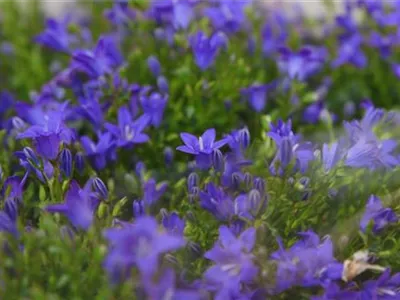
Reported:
(79, 206)
(99, 153)
(205, 49)
(154, 106)
(227, 16)
(120, 13)
(302, 64)
(350, 52)
(380, 215)
(56, 36)
(152, 192)
(48, 135)
(154, 66)
(201, 147)
(8, 217)
(173, 224)
(309, 262)
(99, 61)
(233, 263)
(129, 132)
(138, 245)
(256, 94)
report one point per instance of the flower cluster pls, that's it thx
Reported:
(186, 149)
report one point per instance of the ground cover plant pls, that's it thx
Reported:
(196, 149)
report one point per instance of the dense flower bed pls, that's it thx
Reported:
(196, 149)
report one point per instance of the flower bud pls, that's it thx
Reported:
(168, 155)
(244, 137)
(31, 156)
(80, 162)
(163, 85)
(138, 208)
(259, 184)
(100, 188)
(66, 162)
(248, 178)
(236, 180)
(255, 202)
(154, 66)
(18, 124)
(285, 152)
(192, 181)
(218, 160)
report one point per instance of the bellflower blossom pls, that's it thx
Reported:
(101, 60)
(350, 52)
(301, 64)
(383, 43)
(8, 217)
(177, 14)
(120, 13)
(99, 153)
(205, 49)
(129, 132)
(154, 106)
(56, 36)
(201, 147)
(152, 192)
(48, 136)
(227, 16)
(309, 262)
(289, 148)
(233, 263)
(139, 244)
(380, 216)
(79, 206)
(274, 35)
(166, 288)
(256, 94)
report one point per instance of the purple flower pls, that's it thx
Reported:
(91, 109)
(331, 155)
(166, 288)
(79, 206)
(120, 13)
(154, 106)
(233, 167)
(56, 36)
(8, 217)
(139, 244)
(102, 151)
(217, 202)
(100, 61)
(312, 113)
(333, 292)
(154, 65)
(386, 287)
(383, 43)
(233, 263)
(205, 49)
(173, 224)
(48, 136)
(308, 262)
(256, 94)
(227, 16)
(274, 37)
(129, 132)
(290, 148)
(350, 52)
(201, 147)
(175, 14)
(153, 192)
(396, 70)
(378, 214)
(301, 64)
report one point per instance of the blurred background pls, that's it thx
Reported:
(311, 7)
